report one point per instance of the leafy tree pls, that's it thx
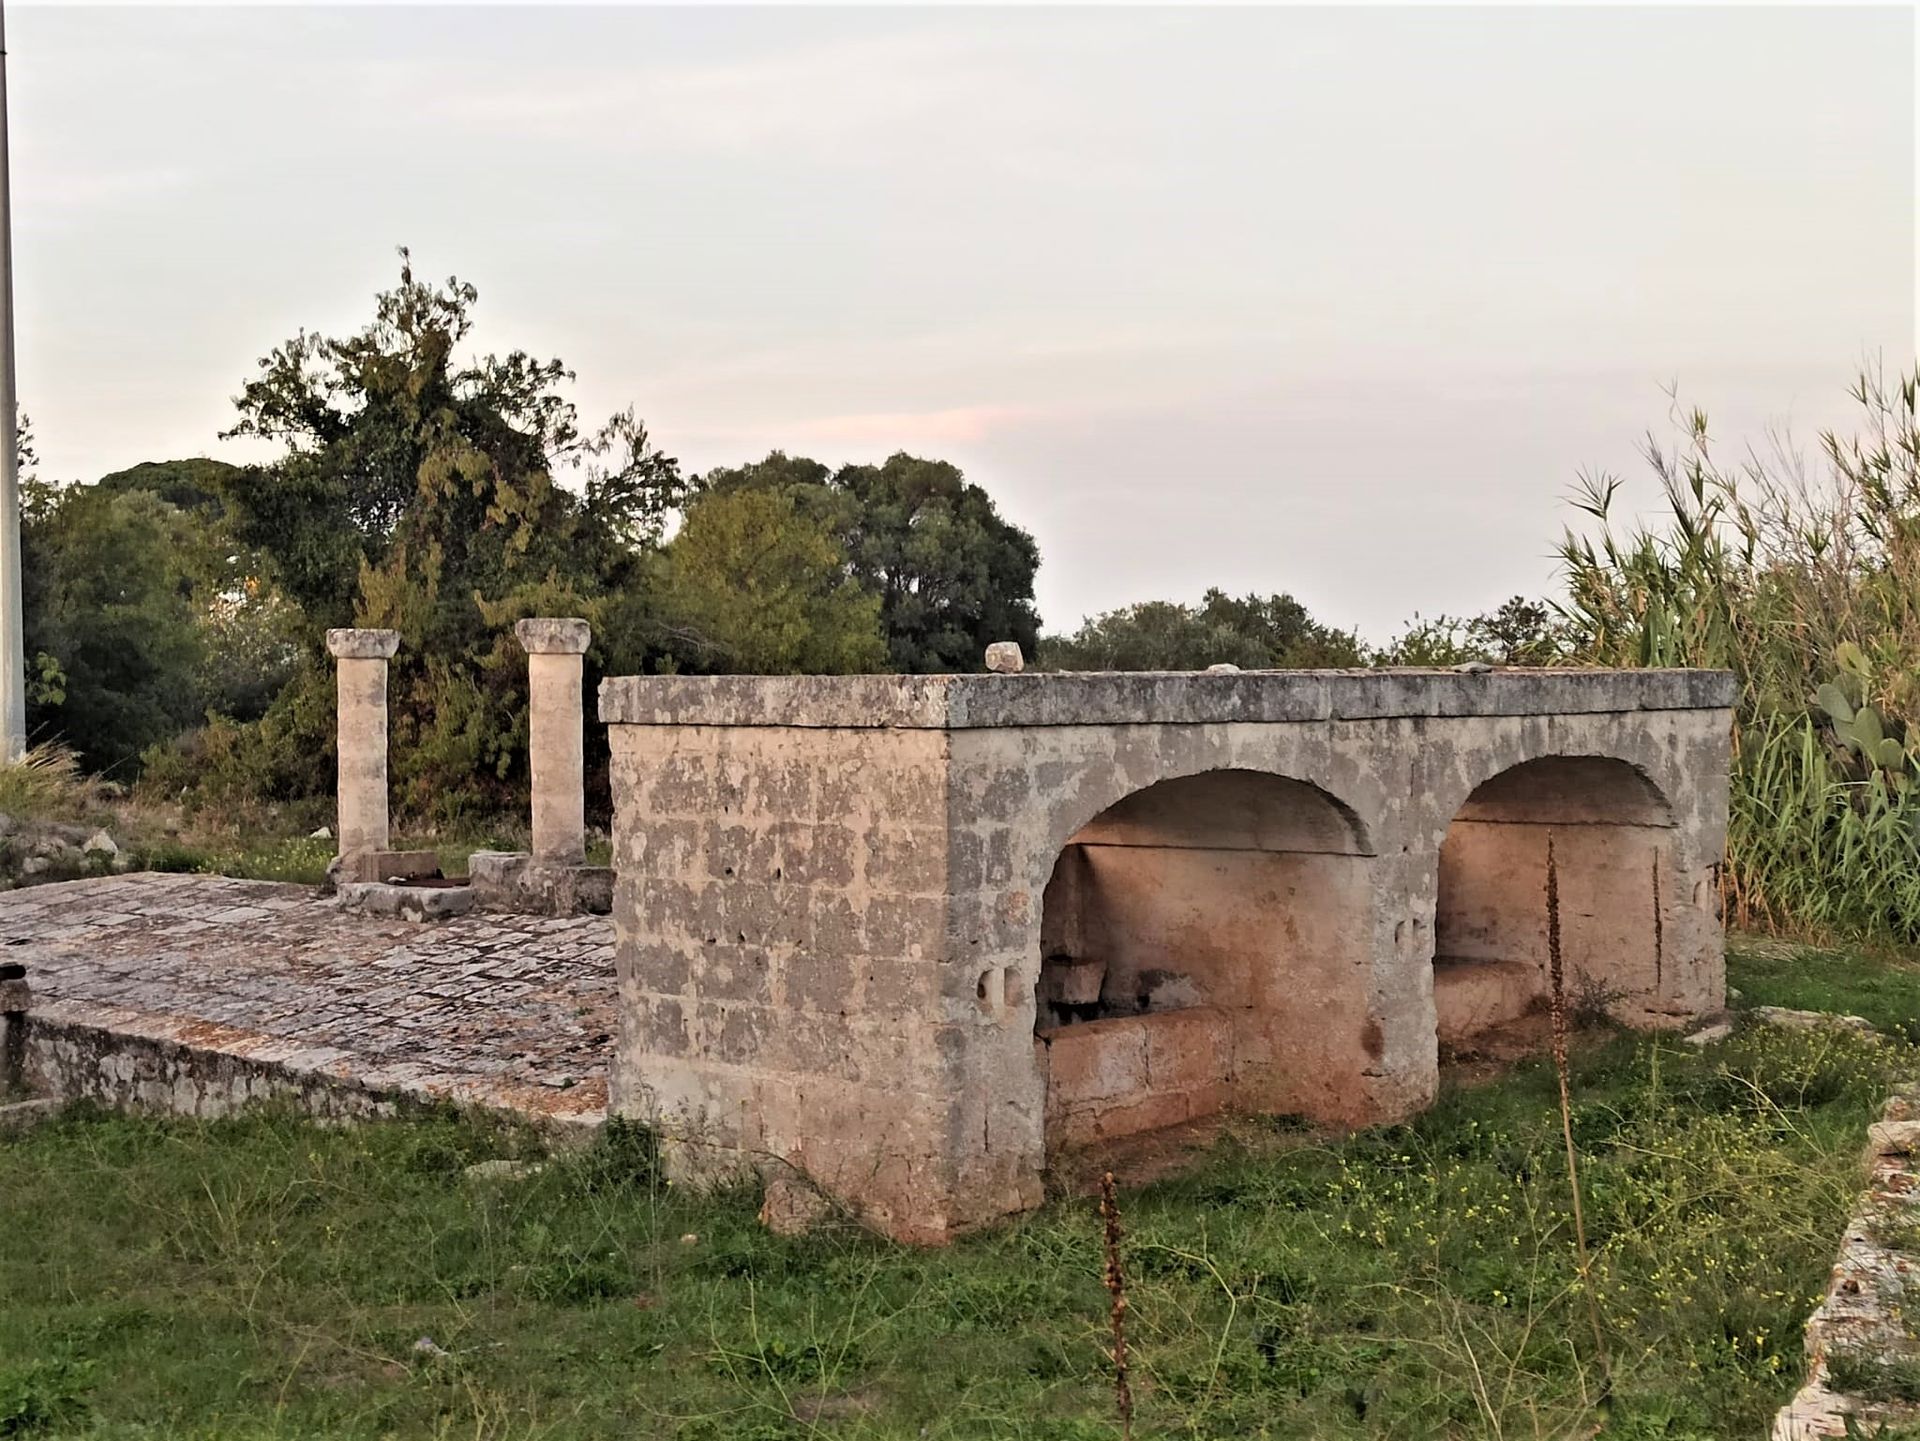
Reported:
(951, 574)
(1252, 632)
(196, 484)
(419, 491)
(111, 625)
(754, 585)
(1520, 632)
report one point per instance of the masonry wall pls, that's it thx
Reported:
(779, 924)
(830, 933)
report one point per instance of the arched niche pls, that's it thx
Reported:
(1205, 945)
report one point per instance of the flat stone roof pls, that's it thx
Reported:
(961, 702)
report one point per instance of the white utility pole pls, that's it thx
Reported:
(13, 658)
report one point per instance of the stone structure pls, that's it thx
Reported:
(908, 935)
(1866, 1321)
(554, 879)
(556, 738)
(361, 685)
(200, 995)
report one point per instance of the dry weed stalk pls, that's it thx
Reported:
(1557, 985)
(1117, 1288)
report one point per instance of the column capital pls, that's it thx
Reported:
(350, 644)
(546, 635)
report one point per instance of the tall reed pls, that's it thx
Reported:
(1807, 587)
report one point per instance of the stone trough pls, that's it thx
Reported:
(910, 937)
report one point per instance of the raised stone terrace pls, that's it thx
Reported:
(198, 994)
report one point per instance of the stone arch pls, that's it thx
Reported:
(1205, 945)
(1613, 834)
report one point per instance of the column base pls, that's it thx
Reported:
(378, 866)
(519, 882)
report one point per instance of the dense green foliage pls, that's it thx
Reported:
(263, 1277)
(1252, 632)
(142, 612)
(950, 574)
(1809, 591)
(762, 588)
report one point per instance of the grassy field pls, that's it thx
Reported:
(265, 1277)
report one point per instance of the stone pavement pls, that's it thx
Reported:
(198, 993)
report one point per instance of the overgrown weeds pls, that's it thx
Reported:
(1808, 589)
(47, 784)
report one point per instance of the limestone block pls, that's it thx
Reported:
(349, 644)
(520, 883)
(546, 635)
(1004, 658)
(1811, 1020)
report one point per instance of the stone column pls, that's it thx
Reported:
(556, 738)
(362, 657)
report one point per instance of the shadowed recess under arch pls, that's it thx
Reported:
(1612, 836)
(1196, 937)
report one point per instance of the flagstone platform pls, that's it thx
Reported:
(199, 994)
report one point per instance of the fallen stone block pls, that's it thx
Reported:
(1709, 1035)
(502, 1170)
(1811, 1020)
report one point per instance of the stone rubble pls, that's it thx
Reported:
(1863, 1315)
(1811, 1020)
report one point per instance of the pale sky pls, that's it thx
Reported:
(1336, 302)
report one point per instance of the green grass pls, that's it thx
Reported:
(267, 1277)
(1884, 988)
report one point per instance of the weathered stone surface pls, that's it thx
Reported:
(958, 702)
(409, 903)
(199, 995)
(546, 635)
(348, 644)
(1810, 1020)
(791, 1207)
(556, 744)
(1709, 1035)
(1004, 658)
(839, 900)
(1866, 1312)
(360, 738)
(520, 881)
